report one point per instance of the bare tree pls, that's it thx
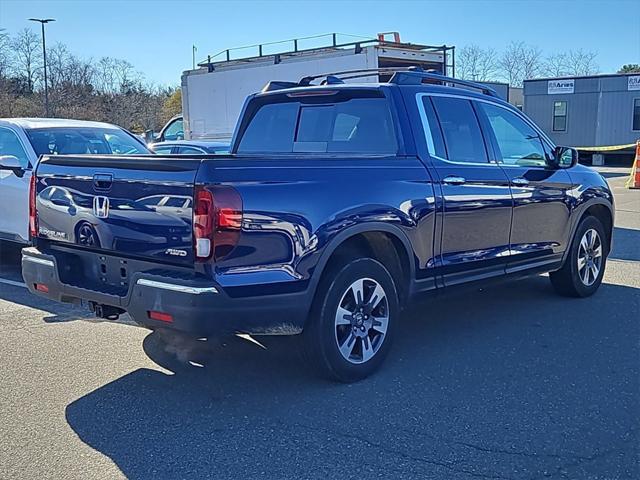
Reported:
(571, 63)
(27, 57)
(581, 62)
(115, 76)
(556, 65)
(5, 54)
(476, 63)
(519, 62)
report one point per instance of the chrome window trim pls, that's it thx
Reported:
(543, 136)
(145, 282)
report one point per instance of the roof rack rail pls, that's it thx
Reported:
(306, 81)
(401, 76)
(415, 76)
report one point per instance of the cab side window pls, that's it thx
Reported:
(460, 129)
(10, 145)
(175, 131)
(518, 142)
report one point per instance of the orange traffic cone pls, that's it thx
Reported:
(634, 177)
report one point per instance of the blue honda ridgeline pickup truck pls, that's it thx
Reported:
(338, 204)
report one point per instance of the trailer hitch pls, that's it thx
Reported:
(105, 311)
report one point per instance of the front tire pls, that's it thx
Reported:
(583, 270)
(353, 320)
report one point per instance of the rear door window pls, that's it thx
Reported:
(357, 125)
(460, 129)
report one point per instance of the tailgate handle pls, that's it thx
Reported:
(102, 181)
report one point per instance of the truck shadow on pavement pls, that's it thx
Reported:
(506, 382)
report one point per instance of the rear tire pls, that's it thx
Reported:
(583, 269)
(353, 320)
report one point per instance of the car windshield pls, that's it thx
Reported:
(78, 141)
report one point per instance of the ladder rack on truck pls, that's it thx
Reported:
(227, 56)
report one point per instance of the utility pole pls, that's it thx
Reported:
(42, 21)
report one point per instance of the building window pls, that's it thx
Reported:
(559, 116)
(636, 114)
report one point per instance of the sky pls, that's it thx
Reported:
(156, 36)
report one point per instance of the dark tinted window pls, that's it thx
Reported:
(636, 114)
(460, 129)
(433, 133)
(271, 129)
(175, 202)
(358, 125)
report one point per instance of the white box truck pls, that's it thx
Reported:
(213, 93)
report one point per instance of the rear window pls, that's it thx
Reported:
(357, 125)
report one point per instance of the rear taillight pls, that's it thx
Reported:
(203, 223)
(33, 216)
(217, 221)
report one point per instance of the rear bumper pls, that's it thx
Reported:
(195, 306)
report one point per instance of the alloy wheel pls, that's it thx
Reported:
(589, 257)
(86, 236)
(361, 320)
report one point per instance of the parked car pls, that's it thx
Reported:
(339, 204)
(173, 130)
(190, 147)
(24, 140)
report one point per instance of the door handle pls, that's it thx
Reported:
(453, 180)
(102, 181)
(519, 181)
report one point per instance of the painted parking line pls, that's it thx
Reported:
(12, 282)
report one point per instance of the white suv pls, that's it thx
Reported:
(24, 140)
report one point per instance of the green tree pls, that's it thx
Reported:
(630, 68)
(172, 105)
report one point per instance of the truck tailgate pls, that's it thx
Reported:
(137, 206)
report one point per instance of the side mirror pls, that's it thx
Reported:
(149, 136)
(565, 157)
(11, 162)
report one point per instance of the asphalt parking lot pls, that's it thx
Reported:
(508, 382)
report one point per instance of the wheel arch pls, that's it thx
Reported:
(600, 209)
(372, 238)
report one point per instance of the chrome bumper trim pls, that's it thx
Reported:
(176, 288)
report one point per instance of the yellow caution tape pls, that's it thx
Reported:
(608, 148)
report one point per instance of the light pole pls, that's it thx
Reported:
(42, 21)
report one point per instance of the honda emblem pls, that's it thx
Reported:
(101, 206)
